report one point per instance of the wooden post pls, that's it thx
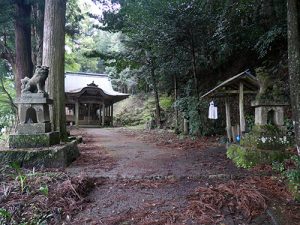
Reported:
(103, 114)
(108, 112)
(100, 113)
(228, 120)
(112, 115)
(185, 126)
(241, 109)
(89, 113)
(233, 131)
(77, 113)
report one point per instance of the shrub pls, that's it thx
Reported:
(195, 111)
(166, 102)
(290, 170)
(247, 158)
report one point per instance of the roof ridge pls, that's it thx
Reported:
(87, 74)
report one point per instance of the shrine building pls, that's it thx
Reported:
(90, 99)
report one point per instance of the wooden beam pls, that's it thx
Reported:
(228, 120)
(241, 108)
(236, 92)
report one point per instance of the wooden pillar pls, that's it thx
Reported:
(99, 114)
(103, 114)
(234, 133)
(228, 120)
(112, 115)
(89, 112)
(77, 113)
(241, 108)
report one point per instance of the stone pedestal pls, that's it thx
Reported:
(34, 108)
(34, 140)
(34, 129)
(51, 157)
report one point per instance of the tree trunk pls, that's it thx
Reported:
(53, 57)
(24, 66)
(38, 11)
(175, 99)
(193, 52)
(156, 96)
(294, 64)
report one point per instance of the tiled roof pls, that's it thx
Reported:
(75, 82)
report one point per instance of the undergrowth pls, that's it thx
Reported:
(290, 170)
(40, 197)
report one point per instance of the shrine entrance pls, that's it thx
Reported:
(90, 99)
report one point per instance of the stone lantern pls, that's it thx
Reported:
(269, 113)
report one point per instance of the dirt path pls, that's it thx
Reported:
(133, 158)
(141, 183)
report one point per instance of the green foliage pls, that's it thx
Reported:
(271, 88)
(20, 176)
(267, 137)
(5, 216)
(195, 111)
(166, 102)
(250, 121)
(74, 17)
(44, 189)
(290, 170)
(265, 42)
(136, 110)
(246, 157)
(7, 93)
(241, 157)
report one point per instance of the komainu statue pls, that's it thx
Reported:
(36, 84)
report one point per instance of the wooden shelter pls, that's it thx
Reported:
(239, 85)
(90, 99)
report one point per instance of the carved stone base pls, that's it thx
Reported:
(51, 157)
(33, 128)
(33, 140)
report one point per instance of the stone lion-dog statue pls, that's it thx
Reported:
(35, 84)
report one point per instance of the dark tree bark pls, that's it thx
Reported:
(294, 63)
(193, 52)
(156, 96)
(24, 66)
(53, 57)
(38, 10)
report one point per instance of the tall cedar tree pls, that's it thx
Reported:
(53, 57)
(294, 63)
(24, 66)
